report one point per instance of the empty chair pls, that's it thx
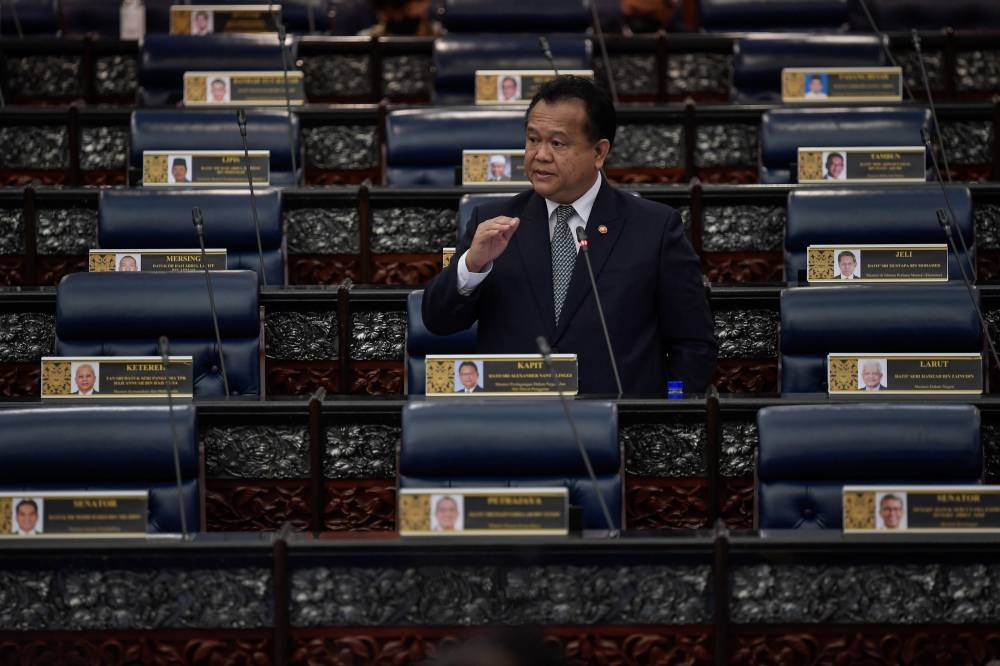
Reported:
(808, 453)
(103, 448)
(420, 342)
(29, 18)
(505, 16)
(928, 15)
(756, 15)
(467, 443)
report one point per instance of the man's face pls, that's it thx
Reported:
(496, 169)
(816, 85)
(27, 517)
(871, 375)
(892, 513)
(836, 166)
(446, 513)
(559, 157)
(127, 265)
(847, 265)
(201, 22)
(509, 87)
(218, 91)
(85, 378)
(179, 171)
(468, 375)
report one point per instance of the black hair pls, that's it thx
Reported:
(830, 157)
(890, 496)
(30, 502)
(179, 161)
(468, 364)
(847, 253)
(222, 81)
(601, 119)
(382, 5)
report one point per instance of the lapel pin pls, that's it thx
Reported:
(602, 229)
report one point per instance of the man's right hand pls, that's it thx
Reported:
(489, 242)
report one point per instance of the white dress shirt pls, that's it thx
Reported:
(468, 281)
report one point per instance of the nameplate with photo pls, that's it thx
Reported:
(841, 84)
(156, 261)
(205, 168)
(483, 511)
(243, 89)
(894, 164)
(501, 375)
(921, 509)
(494, 167)
(73, 514)
(116, 377)
(447, 254)
(204, 20)
(905, 374)
(876, 263)
(516, 86)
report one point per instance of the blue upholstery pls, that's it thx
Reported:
(469, 202)
(759, 59)
(105, 448)
(867, 318)
(151, 218)
(757, 15)
(808, 453)
(164, 59)
(424, 146)
(190, 129)
(857, 215)
(420, 342)
(506, 16)
(928, 15)
(36, 17)
(457, 57)
(124, 314)
(452, 444)
(784, 131)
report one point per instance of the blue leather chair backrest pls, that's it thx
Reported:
(757, 15)
(452, 444)
(424, 146)
(105, 448)
(759, 59)
(150, 218)
(506, 16)
(867, 318)
(190, 129)
(934, 15)
(457, 57)
(34, 18)
(784, 131)
(124, 314)
(808, 453)
(469, 202)
(857, 216)
(163, 60)
(420, 342)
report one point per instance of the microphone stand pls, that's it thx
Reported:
(241, 120)
(164, 357)
(581, 236)
(196, 218)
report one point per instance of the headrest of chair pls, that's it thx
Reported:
(456, 437)
(130, 218)
(34, 17)
(878, 318)
(103, 444)
(420, 341)
(839, 442)
(505, 16)
(437, 136)
(762, 14)
(928, 15)
(94, 306)
(171, 55)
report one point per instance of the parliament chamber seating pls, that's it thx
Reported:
(928, 15)
(849, 216)
(469, 202)
(420, 342)
(758, 15)
(103, 448)
(151, 219)
(784, 131)
(759, 59)
(424, 146)
(468, 443)
(124, 314)
(808, 453)
(492, 16)
(196, 129)
(34, 18)
(867, 318)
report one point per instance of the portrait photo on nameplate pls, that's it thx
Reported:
(818, 85)
(494, 168)
(229, 88)
(62, 514)
(866, 375)
(116, 377)
(203, 20)
(184, 260)
(465, 512)
(516, 86)
(204, 168)
(876, 263)
(921, 509)
(838, 165)
(489, 375)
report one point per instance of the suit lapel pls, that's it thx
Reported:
(605, 212)
(535, 250)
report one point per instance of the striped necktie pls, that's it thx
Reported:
(563, 257)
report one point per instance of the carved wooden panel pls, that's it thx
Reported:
(377, 378)
(741, 267)
(746, 376)
(414, 270)
(301, 378)
(323, 269)
(20, 380)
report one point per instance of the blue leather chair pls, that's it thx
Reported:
(124, 314)
(857, 215)
(784, 131)
(506, 16)
(164, 59)
(191, 129)
(934, 15)
(424, 146)
(759, 59)
(758, 15)
(808, 453)
(420, 342)
(457, 57)
(867, 318)
(469, 202)
(150, 218)
(105, 448)
(34, 18)
(454, 444)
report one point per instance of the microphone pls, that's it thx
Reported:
(595, 19)
(288, 96)
(164, 357)
(241, 120)
(581, 237)
(547, 52)
(199, 224)
(925, 135)
(546, 351)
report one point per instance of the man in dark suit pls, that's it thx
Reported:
(518, 275)
(468, 376)
(86, 380)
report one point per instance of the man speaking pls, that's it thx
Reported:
(518, 274)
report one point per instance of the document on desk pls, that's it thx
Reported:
(870, 375)
(488, 375)
(116, 377)
(923, 509)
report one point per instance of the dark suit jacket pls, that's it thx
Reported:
(648, 276)
(475, 389)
